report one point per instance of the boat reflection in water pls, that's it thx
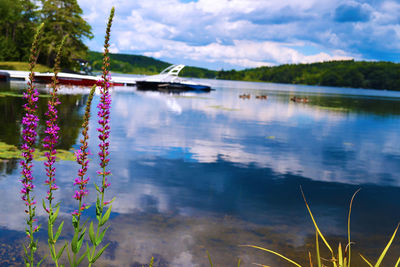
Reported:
(169, 81)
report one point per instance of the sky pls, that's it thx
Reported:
(226, 34)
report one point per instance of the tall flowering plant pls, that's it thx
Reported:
(29, 134)
(49, 142)
(104, 133)
(81, 181)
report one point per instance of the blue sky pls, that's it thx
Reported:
(249, 33)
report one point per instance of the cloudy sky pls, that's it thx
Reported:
(249, 33)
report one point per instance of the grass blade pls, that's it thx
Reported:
(273, 252)
(386, 248)
(315, 224)
(340, 255)
(262, 265)
(317, 246)
(369, 264)
(348, 226)
(209, 259)
(397, 263)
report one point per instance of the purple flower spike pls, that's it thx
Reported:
(82, 159)
(51, 139)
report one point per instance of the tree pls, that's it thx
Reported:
(18, 20)
(63, 17)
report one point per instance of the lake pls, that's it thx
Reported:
(211, 171)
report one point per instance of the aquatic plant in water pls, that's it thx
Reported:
(81, 181)
(49, 143)
(104, 133)
(29, 134)
(343, 256)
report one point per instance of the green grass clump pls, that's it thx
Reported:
(23, 66)
(13, 152)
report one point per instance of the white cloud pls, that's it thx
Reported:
(244, 33)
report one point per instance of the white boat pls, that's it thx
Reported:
(168, 80)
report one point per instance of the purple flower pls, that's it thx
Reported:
(51, 139)
(82, 159)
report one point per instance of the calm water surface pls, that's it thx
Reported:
(197, 172)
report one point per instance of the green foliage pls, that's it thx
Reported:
(135, 64)
(24, 66)
(355, 74)
(63, 17)
(128, 63)
(19, 19)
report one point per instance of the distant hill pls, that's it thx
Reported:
(135, 64)
(349, 73)
(356, 74)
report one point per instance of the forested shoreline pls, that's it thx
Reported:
(349, 73)
(19, 19)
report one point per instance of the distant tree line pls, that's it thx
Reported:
(19, 19)
(135, 64)
(349, 73)
(356, 74)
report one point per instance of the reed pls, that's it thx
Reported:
(341, 258)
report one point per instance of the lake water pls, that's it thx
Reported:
(212, 171)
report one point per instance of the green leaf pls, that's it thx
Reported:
(209, 259)
(54, 217)
(69, 257)
(273, 252)
(151, 262)
(97, 188)
(26, 251)
(112, 200)
(58, 233)
(315, 223)
(44, 205)
(74, 242)
(91, 234)
(98, 241)
(53, 254)
(50, 233)
(88, 249)
(317, 247)
(99, 209)
(80, 240)
(99, 253)
(369, 264)
(60, 252)
(397, 263)
(105, 217)
(83, 256)
(75, 223)
(239, 260)
(378, 263)
(40, 262)
(348, 226)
